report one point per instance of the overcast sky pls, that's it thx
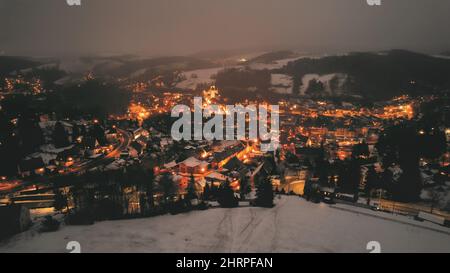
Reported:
(166, 27)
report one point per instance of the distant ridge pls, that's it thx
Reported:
(10, 64)
(379, 75)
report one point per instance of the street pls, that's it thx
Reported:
(14, 186)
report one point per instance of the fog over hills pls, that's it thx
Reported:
(173, 27)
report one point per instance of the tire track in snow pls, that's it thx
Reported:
(255, 223)
(224, 231)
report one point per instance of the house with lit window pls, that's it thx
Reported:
(32, 166)
(68, 157)
(90, 146)
(193, 166)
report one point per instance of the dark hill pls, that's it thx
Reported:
(380, 75)
(9, 64)
(273, 56)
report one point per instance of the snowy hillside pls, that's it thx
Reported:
(199, 76)
(326, 80)
(281, 83)
(274, 65)
(294, 225)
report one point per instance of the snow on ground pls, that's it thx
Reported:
(441, 56)
(281, 83)
(48, 152)
(138, 73)
(275, 65)
(195, 77)
(51, 149)
(200, 76)
(46, 157)
(293, 225)
(325, 79)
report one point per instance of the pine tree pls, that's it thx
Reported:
(83, 131)
(168, 187)
(400, 145)
(349, 173)
(60, 201)
(98, 133)
(150, 187)
(245, 187)
(191, 192)
(360, 150)
(214, 191)
(264, 193)
(76, 132)
(226, 196)
(206, 192)
(371, 182)
(30, 134)
(9, 145)
(60, 136)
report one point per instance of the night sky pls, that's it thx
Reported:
(167, 27)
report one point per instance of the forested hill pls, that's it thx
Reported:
(9, 64)
(379, 75)
(271, 57)
(124, 67)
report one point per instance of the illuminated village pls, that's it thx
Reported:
(86, 165)
(236, 128)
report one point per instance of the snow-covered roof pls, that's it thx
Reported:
(46, 157)
(51, 124)
(225, 144)
(192, 162)
(50, 148)
(217, 176)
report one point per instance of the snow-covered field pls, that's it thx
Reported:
(325, 79)
(200, 76)
(195, 77)
(275, 65)
(294, 225)
(281, 83)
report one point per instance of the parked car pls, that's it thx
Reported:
(327, 194)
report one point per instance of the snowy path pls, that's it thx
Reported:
(294, 225)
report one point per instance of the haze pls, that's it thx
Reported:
(178, 27)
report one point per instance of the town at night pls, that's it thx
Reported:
(228, 127)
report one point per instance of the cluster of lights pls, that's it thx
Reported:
(35, 85)
(139, 112)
